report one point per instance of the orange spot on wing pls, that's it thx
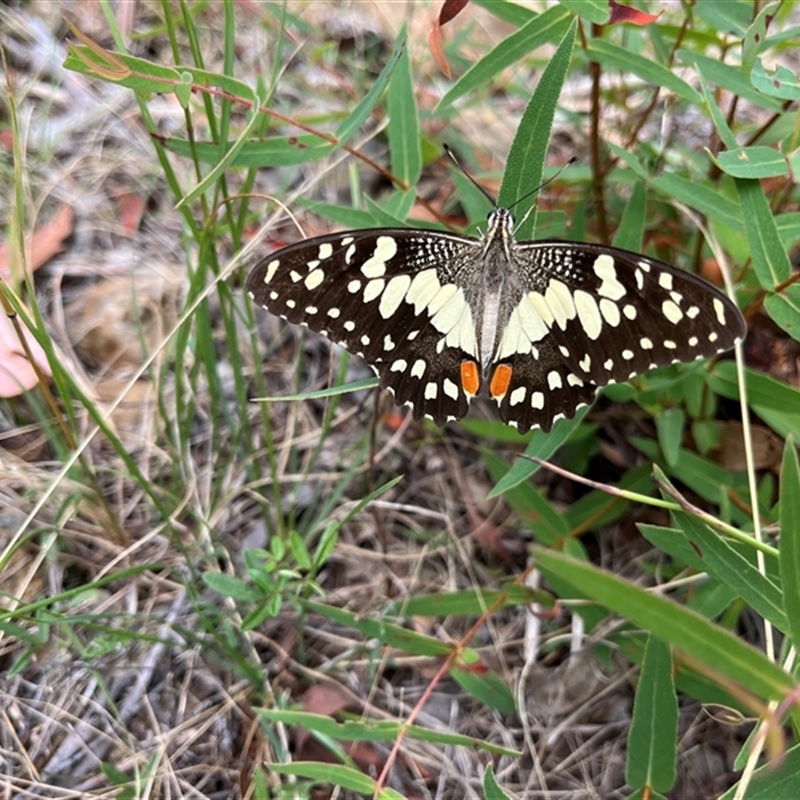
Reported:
(501, 379)
(470, 377)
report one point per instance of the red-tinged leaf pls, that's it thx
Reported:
(633, 16)
(449, 10)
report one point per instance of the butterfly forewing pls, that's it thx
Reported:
(553, 320)
(394, 297)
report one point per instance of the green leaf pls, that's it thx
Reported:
(385, 632)
(630, 232)
(708, 644)
(718, 118)
(674, 543)
(782, 84)
(543, 445)
(773, 781)
(366, 730)
(546, 27)
(491, 788)
(735, 571)
(484, 685)
(751, 162)
(754, 39)
(359, 114)
(230, 586)
(653, 735)
(790, 540)
(702, 198)
(670, 426)
(275, 151)
(525, 163)
(728, 77)
(784, 308)
(594, 11)
(338, 775)
(770, 261)
(761, 389)
(613, 56)
(403, 128)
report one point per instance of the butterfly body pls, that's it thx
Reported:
(538, 325)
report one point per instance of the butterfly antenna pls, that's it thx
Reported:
(466, 174)
(542, 185)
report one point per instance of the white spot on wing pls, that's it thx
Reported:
(326, 250)
(665, 281)
(393, 295)
(373, 289)
(605, 269)
(554, 380)
(588, 314)
(271, 268)
(450, 389)
(401, 365)
(418, 368)
(671, 312)
(537, 400)
(314, 279)
(375, 265)
(431, 391)
(517, 396)
(719, 309)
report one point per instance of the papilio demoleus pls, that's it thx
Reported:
(541, 325)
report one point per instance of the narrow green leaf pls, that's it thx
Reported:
(790, 539)
(543, 445)
(717, 117)
(770, 261)
(630, 232)
(230, 586)
(525, 163)
(275, 151)
(755, 39)
(704, 642)
(508, 12)
(761, 389)
(782, 84)
(546, 27)
(594, 11)
(728, 77)
(674, 543)
(653, 735)
(735, 571)
(385, 632)
(784, 308)
(360, 113)
(702, 198)
(223, 162)
(338, 775)
(491, 788)
(670, 426)
(751, 162)
(403, 128)
(613, 56)
(484, 684)
(773, 781)
(321, 394)
(365, 730)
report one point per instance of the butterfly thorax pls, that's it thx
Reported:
(499, 285)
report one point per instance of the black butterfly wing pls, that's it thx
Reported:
(394, 297)
(589, 315)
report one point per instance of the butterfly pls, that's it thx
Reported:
(538, 325)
